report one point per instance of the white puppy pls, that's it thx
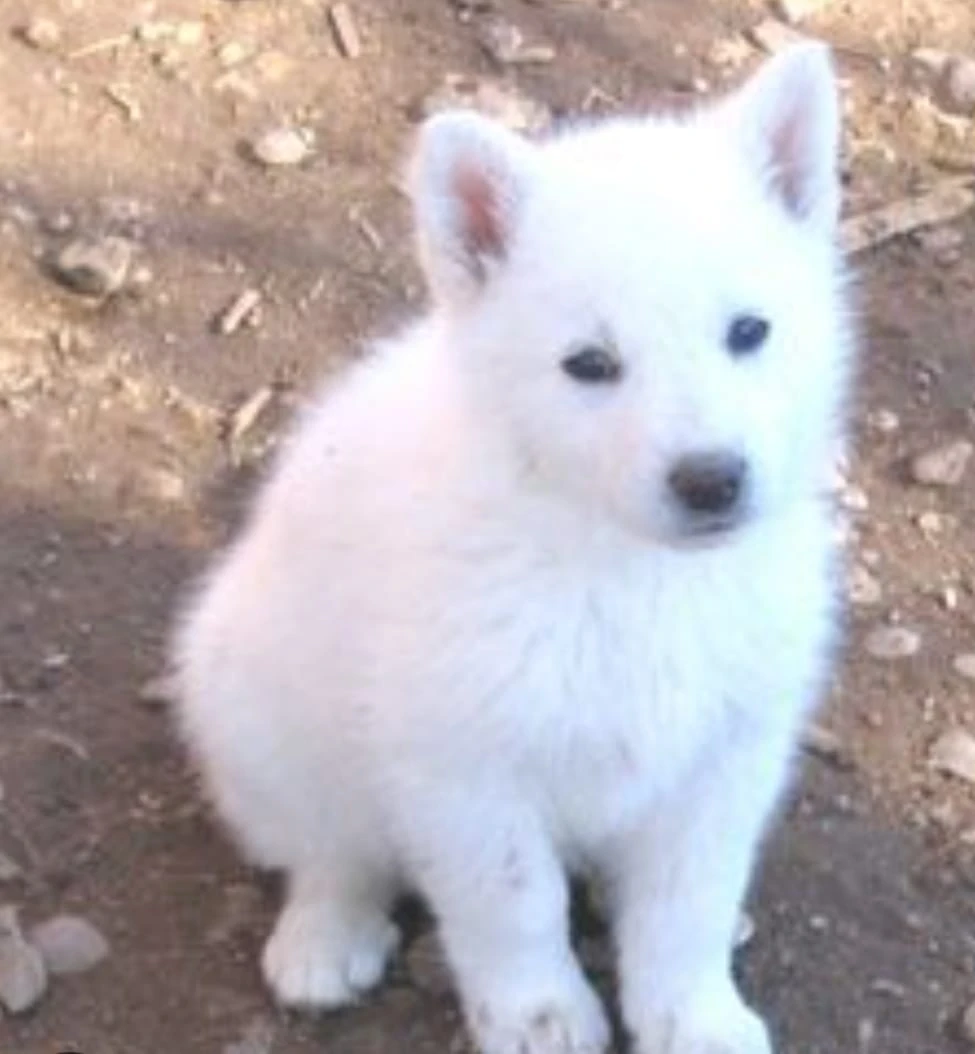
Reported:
(547, 583)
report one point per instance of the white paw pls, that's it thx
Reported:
(569, 1021)
(722, 1025)
(315, 960)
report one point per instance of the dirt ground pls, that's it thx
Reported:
(130, 429)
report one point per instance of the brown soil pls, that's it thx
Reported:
(120, 476)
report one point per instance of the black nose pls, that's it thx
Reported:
(708, 483)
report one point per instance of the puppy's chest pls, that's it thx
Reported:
(627, 696)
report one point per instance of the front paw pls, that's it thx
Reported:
(541, 1019)
(318, 960)
(717, 1024)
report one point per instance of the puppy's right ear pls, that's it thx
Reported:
(469, 180)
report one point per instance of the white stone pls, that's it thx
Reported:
(954, 754)
(964, 665)
(944, 465)
(23, 978)
(892, 642)
(280, 147)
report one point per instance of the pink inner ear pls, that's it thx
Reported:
(482, 222)
(787, 173)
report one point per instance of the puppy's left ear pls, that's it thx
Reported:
(787, 119)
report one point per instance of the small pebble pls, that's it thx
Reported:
(892, 642)
(190, 34)
(883, 420)
(233, 53)
(862, 588)
(41, 33)
(23, 978)
(167, 486)
(825, 744)
(153, 31)
(942, 466)
(886, 987)
(954, 754)
(161, 691)
(281, 147)
(854, 498)
(94, 267)
(69, 944)
(964, 665)
(930, 522)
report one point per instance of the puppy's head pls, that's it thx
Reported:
(651, 309)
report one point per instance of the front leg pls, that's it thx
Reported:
(678, 883)
(491, 875)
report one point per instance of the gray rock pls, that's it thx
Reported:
(942, 466)
(824, 744)
(23, 977)
(94, 267)
(69, 944)
(161, 691)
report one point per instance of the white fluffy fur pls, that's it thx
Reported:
(466, 643)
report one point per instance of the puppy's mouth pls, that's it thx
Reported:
(712, 531)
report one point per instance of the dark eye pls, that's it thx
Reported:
(747, 333)
(593, 365)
